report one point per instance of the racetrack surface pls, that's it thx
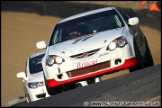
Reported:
(20, 32)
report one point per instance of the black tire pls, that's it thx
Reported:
(92, 80)
(139, 58)
(78, 85)
(54, 90)
(148, 59)
(68, 86)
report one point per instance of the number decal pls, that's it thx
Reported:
(86, 38)
(83, 39)
(76, 41)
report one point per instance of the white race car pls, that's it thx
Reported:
(91, 44)
(34, 86)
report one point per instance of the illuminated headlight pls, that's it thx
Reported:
(52, 59)
(35, 84)
(59, 60)
(112, 46)
(119, 42)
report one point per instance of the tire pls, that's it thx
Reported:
(139, 58)
(78, 85)
(148, 59)
(54, 90)
(68, 86)
(93, 80)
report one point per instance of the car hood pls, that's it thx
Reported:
(37, 77)
(85, 43)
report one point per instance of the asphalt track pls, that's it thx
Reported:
(140, 86)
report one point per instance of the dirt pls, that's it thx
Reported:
(21, 31)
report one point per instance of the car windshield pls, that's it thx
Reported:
(35, 64)
(85, 25)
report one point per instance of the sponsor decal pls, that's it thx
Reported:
(105, 53)
(86, 63)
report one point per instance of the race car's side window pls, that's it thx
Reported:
(118, 21)
(56, 38)
(124, 16)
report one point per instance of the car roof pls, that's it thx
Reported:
(37, 53)
(86, 13)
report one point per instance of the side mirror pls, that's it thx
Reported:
(41, 45)
(21, 75)
(133, 21)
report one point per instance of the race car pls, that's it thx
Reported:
(34, 86)
(90, 44)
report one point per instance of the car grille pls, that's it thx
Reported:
(41, 95)
(88, 69)
(82, 54)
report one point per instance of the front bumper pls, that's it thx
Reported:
(38, 93)
(93, 73)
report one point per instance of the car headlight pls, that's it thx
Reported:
(119, 42)
(50, 61)
(35, 84)
(59, 60)
(112, 45)
(53, 59)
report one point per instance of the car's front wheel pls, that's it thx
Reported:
(148, 60)
(54, 90)
(139, 59)
(68, 86)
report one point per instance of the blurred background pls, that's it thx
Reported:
(23, 23)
